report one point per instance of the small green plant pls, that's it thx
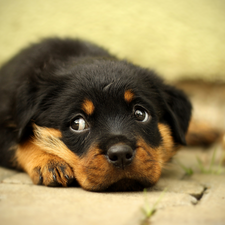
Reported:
(148, 210)
(188, 171)
(210, 169)
(203, 168)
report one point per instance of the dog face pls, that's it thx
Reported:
(116, 124)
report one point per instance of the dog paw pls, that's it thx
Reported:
(53, 172)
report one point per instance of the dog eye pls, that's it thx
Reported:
(78, 124)
(141, 114)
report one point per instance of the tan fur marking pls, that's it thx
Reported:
(148, 162)
(45, 131)
(167, 148)
(128, 96)
(92, 169)
(49, 141)
(88, 107)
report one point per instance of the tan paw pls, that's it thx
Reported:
(52, 172)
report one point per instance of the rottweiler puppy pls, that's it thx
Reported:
(69, 111)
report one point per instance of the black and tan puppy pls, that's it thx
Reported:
(71, 111)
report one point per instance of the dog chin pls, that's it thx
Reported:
(127, 184)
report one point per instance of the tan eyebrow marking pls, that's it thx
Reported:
(128, 96)
(88, 107)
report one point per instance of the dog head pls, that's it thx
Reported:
(117, 124)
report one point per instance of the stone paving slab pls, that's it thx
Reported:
(197, 199)
(210, 210)
(36, 204)
(18, 178)
(189, 215)
(190, 187)
(5, 173)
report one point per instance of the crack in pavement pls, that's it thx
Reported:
(199, 196)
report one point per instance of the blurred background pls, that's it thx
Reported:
(179, 39)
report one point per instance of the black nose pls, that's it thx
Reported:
(120, 155)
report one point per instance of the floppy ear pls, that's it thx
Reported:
(25, 109)
(177, 112)
(27, 102)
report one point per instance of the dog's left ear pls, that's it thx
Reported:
(177, 112)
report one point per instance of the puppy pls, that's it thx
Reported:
(71, 111)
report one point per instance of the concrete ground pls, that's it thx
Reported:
(195, 199)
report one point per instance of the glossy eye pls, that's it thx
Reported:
(141, 115)
(78, 124)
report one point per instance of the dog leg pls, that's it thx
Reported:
(42, 167)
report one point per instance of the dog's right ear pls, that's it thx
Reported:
(177, 112)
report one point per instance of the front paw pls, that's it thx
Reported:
(53, 172)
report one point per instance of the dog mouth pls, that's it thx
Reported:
(123, 185)
(118, 180)
(127, 185)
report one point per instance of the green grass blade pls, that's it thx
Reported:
(149, 211)
(188, 171)
(212, 161)
(200, 164)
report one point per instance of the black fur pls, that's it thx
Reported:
(46, 84)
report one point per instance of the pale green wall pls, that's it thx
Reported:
(175, 37)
